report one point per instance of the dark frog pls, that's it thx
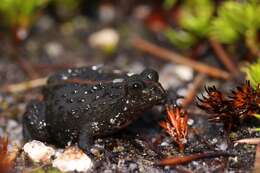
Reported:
(82, 103)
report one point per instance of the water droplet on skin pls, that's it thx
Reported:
(75, 91)
(118, 80)
(95, 67)
(97, 97)
(129, 74)
(112, 121)
(63, 77)
(87, 107)
(85, 92)
(70, 100)
(69, 70)
(150, 76)
(82, 100)
(73, 112)
(95, 87)
(125, 109)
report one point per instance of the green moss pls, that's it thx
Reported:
(253, 73)
(235, 20)
(20, 12)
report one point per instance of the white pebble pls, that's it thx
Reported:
(107, 12)
(223, 146)
(184, 72)
(190, 121)
(72, 159)
(105, 38)
(38, 151)
(54, 49)
(168, 77)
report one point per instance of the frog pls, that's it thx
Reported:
(81, 104)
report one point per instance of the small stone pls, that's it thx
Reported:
(184, 72)
(53, 49)
(118, 149)
(38, 151)
(73, 159)
(105, 39)
(106, 12)
(214, 141)
(142, 11)
(168, 77)
(223, 146)
(182, 91)
(133, 166)
(190, 122)
(14, 131)
(164, 144)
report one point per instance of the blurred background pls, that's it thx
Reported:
(41, 36)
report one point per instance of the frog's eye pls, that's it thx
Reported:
(137, 85)
(150, 74)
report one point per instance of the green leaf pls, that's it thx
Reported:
(253, 73)
(17, 12)
(196, 15)
(167, 4)
(222, 31)
(180, 38)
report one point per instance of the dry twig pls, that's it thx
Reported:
(192, 92)
(173, 161)
(168, 55)
(249, 141)
(257, 159)
(13, 88)
(224, 57)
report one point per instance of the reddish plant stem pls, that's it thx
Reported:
(51, 67)
(173, 161)
(223, 56)
(24, 64)
(27, 68)
(192, 92)
(257, 160)
(168, 55)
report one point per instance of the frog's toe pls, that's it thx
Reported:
(34, 124)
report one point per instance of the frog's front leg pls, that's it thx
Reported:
(34, 124)
(85, 140)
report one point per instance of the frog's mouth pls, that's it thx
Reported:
(155, 93)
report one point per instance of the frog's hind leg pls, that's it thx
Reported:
(34, 124)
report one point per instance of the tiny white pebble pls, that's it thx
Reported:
(73, 159)
(104, 38)
(214, 140)
(184, 72)
(38, 151)
(164, 144)
(190, 121)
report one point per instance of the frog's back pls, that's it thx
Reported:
(79, 96)
(92, 74)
